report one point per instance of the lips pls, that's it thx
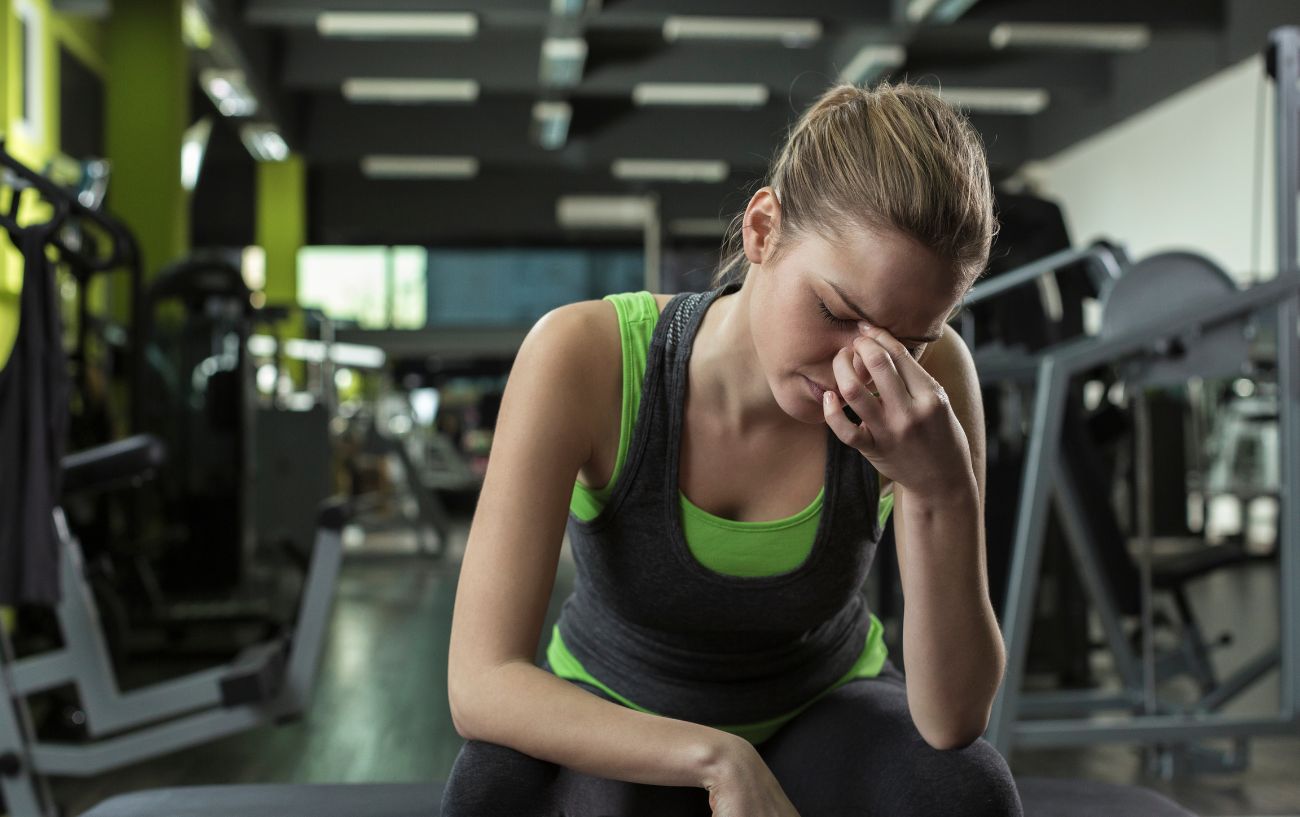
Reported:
(816, 389)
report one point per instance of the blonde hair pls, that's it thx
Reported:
(894, 157)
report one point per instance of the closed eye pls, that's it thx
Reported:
(843, 323)
(831, 319)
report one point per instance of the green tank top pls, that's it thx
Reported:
(726, 546)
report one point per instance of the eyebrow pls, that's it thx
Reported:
(844, 297)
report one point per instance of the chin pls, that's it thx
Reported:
(798, 405)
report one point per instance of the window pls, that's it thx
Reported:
(31, 87)
(374, 287)
(415, 287)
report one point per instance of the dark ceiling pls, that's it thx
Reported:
(513, 198)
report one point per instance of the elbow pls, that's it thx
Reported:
(459, 704)
(954, 736)
(458, 721)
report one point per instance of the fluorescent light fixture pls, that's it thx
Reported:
(229, 91)
(551, 124)
(193, 145)
(410, 91)
(872, 62)
(264, 142)
(669, 170)
(937, 11)
(563, 59)
(742, 95)
(1107, 37)
(792, 32)
(196, 31)
(573, 8)
(405, 25)
(419, 167)
(697, 227)
(603, 212)
(997, 100)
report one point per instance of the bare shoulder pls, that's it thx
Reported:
(950, 363)
(581, 339)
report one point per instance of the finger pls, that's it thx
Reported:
(849, 432)
(884, 371)
(917, 380)
(853, 392)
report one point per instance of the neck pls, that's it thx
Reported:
(726, 381)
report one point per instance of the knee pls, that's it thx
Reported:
(972, 781)
(489, 779)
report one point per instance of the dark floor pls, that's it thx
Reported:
(381, 713)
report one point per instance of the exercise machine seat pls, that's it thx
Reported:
(1042, 797)
(278, 800)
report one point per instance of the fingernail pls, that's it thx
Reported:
(864, 327)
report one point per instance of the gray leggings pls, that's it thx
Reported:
(854, 753)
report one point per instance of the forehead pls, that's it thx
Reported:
(883, 267)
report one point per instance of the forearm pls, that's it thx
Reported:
(530, 710)
(951, 640)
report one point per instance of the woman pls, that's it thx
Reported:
(716, 656)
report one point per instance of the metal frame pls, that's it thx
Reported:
(1043, 477)
(165, 717)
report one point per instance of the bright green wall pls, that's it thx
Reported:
(281, 224)
(147, 110)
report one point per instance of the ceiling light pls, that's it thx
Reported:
(697, 227)
(744, 95)
(572, 8)
(563, 59)
(196, 30)
(193, 145)
(794, 33)
(264, 142)
(419, 167)
(873, 62)
(604, 212)
(997, 100)
(551, 124)
(669, 170)
(228, 91)
(937, 11)
(366, 24)
(410, 90)
(1067, 35)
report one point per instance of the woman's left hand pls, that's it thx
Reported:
(908, 430)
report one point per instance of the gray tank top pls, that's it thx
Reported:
(654, 624)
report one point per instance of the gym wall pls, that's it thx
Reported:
(1181, 175)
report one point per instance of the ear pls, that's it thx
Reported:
(761, 226)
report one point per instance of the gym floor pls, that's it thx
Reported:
(381, 715)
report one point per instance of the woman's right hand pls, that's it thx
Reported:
(741, 785)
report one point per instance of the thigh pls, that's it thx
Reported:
(488, 780)
(857, 753)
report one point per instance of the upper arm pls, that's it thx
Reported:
(543, 437)
(949, 362)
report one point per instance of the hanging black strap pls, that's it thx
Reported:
(33, 427)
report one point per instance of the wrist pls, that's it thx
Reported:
(960, 489)
(722, 755)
